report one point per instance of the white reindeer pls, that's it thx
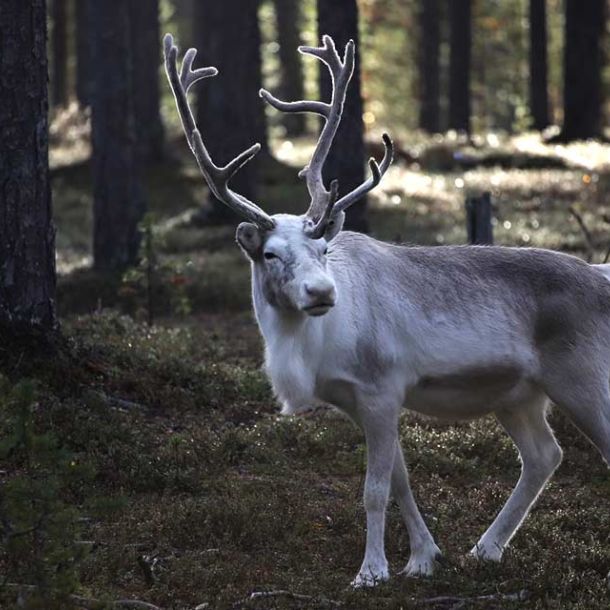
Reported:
(454, 332)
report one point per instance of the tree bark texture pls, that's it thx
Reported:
(346, 160)
(59, 39)
(146, 45)
(27, 235)
(583, 61)
(429, 65)
(230, 113)
(291, 86)
(118, 198)
(538, 85)
(460, 24)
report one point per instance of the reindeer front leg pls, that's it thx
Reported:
(381, 432)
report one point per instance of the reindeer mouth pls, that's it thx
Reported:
(318, 309)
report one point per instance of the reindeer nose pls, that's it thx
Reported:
(321, 290)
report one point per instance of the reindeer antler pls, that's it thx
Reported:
(323, 206)
(216, 177)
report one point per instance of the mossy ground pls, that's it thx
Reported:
(211, 495)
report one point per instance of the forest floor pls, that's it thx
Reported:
(200, 495)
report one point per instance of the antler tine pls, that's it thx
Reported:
(315, 231)
(341, 74)
(377, 172)
(216, 177)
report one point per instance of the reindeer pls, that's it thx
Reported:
(452, 332)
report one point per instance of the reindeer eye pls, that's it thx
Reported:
(269, 255)
(325, 251)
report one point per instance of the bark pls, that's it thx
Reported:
(83, 53)
(118, 201)
(429, 68)
(230, 114)
(27, 235)
(539, 99)
(289, 37)
(59, 39)
(583, 62)
(460, 23)
(346, 160)
(146, 45)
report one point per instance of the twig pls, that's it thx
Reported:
(586, 233)
(319, 601)
(519, 596)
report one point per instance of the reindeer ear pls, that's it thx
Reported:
(334, 226)
(249, 238)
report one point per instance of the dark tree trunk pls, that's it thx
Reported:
(59, 82)
(27, 235)
(539, 98)
(429, 70)
(230, 113)
(346, 161)
(289, 37)
(146, 45)
(460, 23)
(118, 201)
(583, 60)
(84, 72)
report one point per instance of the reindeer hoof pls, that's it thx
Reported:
(370, 577)
(423, 564)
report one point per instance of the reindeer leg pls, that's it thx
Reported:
(424, 551)
(540, 455)
(381, 432)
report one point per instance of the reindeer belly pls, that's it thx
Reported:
(467, 393)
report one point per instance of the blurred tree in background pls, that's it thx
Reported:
(59, 38)
(229, 111)
(538, 74)
(288, 18)
(145, 36)
(345, 161)
(84, 71)
(429, 13)
(460, 23)
(118, 198)
(585, 25)
(27, 235)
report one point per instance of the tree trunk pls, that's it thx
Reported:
(539, 99)
(84, 72)
(146, 46)
(59, 82)
(583, 60)
(460, 23)
(118, 201)
(289, 37)
(429, 70)
(27, 235)
(346, 160)
(230, 113)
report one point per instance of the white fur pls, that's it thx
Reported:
(370, 355)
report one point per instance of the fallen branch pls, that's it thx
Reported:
(519, 596)
(90, 603)
(318, 601)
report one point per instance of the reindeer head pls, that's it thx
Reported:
(288, 252)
